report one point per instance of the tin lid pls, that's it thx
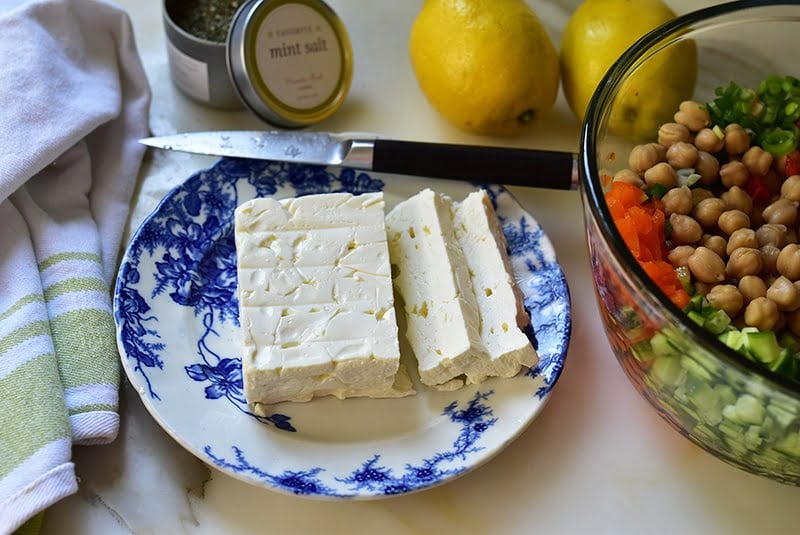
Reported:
(290, 61)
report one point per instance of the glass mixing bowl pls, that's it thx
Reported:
(734, 408)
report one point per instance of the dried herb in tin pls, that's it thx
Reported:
(206, 19)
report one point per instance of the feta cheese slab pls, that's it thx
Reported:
(316, 306)
(432, 277)
(500, 302)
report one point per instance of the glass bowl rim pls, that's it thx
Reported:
(593, 189)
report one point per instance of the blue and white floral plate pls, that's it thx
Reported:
(177, 329)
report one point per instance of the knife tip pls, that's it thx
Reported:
(152, 142)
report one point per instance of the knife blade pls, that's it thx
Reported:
(502, 165)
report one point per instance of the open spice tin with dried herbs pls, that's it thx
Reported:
(288, 61)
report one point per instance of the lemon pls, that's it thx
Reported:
(488, 66)
(596, 35)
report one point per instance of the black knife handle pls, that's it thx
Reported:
(501, 165)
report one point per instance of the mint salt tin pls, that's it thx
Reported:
(290, 61)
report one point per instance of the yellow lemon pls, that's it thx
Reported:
(488, 66)
(596, 35)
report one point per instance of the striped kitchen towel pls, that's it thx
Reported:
(75, 102)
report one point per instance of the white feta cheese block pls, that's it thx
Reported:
(316, 306)
(431, 276)
(500, 301)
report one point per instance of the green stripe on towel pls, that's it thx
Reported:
(76, 284)
(50, 261)
(31, 417)
(20, 335)
(84, 340)
(96, 407)
(22, 303)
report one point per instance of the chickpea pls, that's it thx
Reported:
(737, 199)
(670, 133)
(743, 261)
(732, 220)
(681, 155)
(771, 234)
(685, 230)
(727, 298)
(706, 140)
(791, 235)
(782, 211)
(643, 157)
(707, 211)
(788, 263)
(752, 287)
(692, 115)
(629, 177)
(733, 173)
(702, 288)
(757, 160)
(700, 194)
(743, 237)
(707, 166)
(661, 173)
(779, 165)
(678, 201)
(790, 189)
(797, 301)
(706, 266)
(716, 243)
(784, 294)
(679, 256)
(769, 259)
(762, 314)
(737, 140)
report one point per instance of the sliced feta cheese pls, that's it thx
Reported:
(431, 276)
(316, 306)
(500, 303)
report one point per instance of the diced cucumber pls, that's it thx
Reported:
(667, 371)
(717, 322)
(707, 402)
(786, 364)
(696, 317)
(730, 429)
(726, 394)
(733, 339)
(747, 410)
(752, 437)
(662, 347)
(763, 346)
(746, 420)
(694, 368)
(783, 417)
(789, 444)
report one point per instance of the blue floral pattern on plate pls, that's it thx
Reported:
(177, 324)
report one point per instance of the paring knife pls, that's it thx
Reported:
(502, 165)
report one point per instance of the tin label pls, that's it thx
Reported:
(299, 57)
(189, 74)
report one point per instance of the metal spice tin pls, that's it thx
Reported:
(290, 60)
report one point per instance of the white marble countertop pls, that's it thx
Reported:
(597, 460)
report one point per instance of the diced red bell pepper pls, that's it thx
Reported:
(792, 164)
(757, 189)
